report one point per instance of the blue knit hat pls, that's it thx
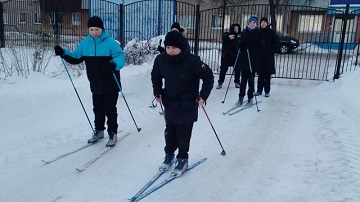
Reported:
(253, 18)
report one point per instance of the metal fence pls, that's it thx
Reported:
(316, 29)
(328, 38)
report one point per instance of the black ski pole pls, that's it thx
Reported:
(67, 71)
(252, 79)
(118, 84)
(233, 72)
(223, 151)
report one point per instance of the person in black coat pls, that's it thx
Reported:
(230, 49)
(174, 27)
(249, 41)
(268, 42)
(181, 72)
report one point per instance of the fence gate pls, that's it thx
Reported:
(150, 18)
(328, 37)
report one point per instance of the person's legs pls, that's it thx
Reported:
(237, 75)
(260, 83)
(99, 111)
(223, 69)
(243, 81)
(183, 136)
(267, 83)
(251, 89)
(111, 111)
(171, 141)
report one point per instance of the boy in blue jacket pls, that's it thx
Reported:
(103, 57)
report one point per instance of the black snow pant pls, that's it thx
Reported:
(263, 83)
(247, 78)
(177, 136)
(105, 106)
(225, 64)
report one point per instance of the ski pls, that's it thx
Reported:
(71, 152)
(74, 151)
(104, 151)
(166, 181)
(147, 185)
(243, 108)
(231, 109)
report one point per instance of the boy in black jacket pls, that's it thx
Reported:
(181, 72)
(230, 47)
(268, 42)
(249, 43)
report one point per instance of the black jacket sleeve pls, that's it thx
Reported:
(156, 78)
(203, 72)
(225, 36)
(72, 60)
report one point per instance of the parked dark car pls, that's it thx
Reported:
(287, 43)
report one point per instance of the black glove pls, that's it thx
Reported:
(111, 66)
(160, 49)
(58, 51)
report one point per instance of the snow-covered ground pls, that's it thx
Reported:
(303, 145)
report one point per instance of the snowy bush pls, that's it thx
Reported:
(23, 59)
(137, 52)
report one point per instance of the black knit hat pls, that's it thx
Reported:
(175, 38)
(177, 26)
(264, 19)
(95, 21)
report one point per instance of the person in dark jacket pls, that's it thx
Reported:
(249, 43)
(268, 42)
(230, 47)
(181, 72)
(103, 58)
(174, 27)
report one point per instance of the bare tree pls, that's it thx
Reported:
(272, 13)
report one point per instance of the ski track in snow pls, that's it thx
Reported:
(268, 154)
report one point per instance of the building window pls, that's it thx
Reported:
(75, 18)
(22, 18)
(37, 18)
(56, 16)
(217, 21)
(187, 21)
(310, 23)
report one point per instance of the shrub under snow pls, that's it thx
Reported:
(137, 52)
